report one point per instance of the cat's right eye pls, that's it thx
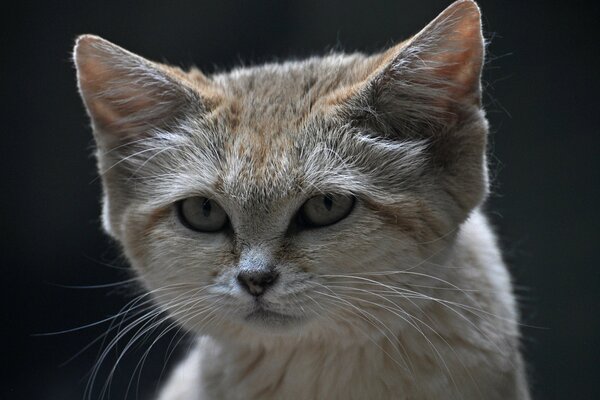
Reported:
(201, 214)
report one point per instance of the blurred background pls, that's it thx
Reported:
(60, 272)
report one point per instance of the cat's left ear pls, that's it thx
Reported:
(431, 80)
(127, 96)
(428, 88)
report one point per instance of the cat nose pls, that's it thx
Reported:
(256, 282)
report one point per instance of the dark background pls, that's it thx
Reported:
(542, 99)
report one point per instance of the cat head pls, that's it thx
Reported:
(274, 196)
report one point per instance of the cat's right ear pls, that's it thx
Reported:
(128, 96)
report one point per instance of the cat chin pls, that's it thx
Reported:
(256, 323)
(271, 321)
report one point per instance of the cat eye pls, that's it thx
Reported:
(326, 209)
(201, 214)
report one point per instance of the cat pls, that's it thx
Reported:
(316, 224)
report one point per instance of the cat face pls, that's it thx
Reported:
(259, 246)
(296, 194)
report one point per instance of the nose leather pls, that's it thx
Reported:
(257, 281)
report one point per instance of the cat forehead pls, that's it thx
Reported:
(272, 134)
(276, 98)
(266, 170)
(273, 138)
(259, 169)
(291, 79)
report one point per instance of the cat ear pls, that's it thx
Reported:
(432, 79)
(126, 95)
(428, 88)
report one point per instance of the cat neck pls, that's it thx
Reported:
(303, 368)
(335, 368)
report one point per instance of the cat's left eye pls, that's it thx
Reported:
(326, 209)
(201, 214)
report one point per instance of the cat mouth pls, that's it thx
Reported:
(265, 317)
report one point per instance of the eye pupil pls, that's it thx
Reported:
(206, 207)
(328, 202)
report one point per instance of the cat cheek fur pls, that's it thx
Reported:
(405, 298)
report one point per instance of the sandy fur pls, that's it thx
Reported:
(405, 298)
(481, 357)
